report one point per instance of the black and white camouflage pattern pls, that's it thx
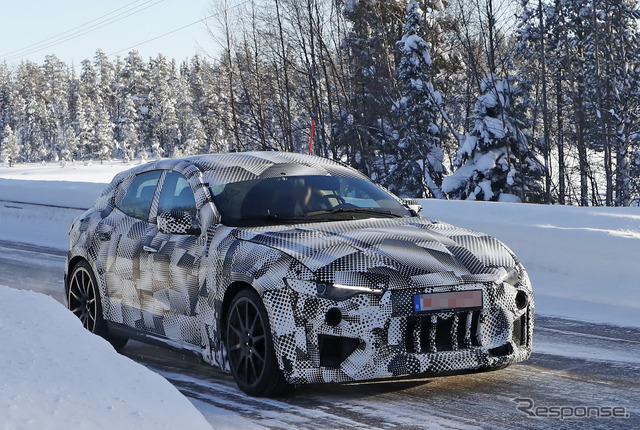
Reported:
(177, 294)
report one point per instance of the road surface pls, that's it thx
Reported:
(576, 369)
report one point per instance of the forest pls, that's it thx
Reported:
(501, 100)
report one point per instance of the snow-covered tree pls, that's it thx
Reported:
(133, 80)
(126, 130)
(83, 128)
(495, 160)
(55, 96)
(11, 104)
(103, 142)
(105, 75)
(192, 136)
(164, 121)
(418, 167)
(363, 127)
(9, 149)
(67, 143)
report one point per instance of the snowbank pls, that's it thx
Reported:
(55, 193)
(56, 375)
(73, 185)
(79, 171)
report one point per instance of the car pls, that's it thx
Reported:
(288, 269)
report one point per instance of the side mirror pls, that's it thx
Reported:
(177, 222)
(412, 205)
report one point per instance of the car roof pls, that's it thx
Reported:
(241, 166)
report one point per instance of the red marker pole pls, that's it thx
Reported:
(313, 127)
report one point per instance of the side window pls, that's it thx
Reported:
(137, 200)
(177, 195)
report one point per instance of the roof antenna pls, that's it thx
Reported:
(313, 127)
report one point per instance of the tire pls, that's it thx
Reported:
(83, 299)
(250, 348)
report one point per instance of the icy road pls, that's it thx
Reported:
(576, 369)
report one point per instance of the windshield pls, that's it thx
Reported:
(295, 199)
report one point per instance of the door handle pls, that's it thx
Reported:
(149, 249)
(104, 235)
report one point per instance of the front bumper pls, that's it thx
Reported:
(375, 336)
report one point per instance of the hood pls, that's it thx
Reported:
(389, 253)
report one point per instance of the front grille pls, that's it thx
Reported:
(442, 332)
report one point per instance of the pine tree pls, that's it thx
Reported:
(611, 93)
(192, 137)
(495, 161)
(83, 128)
(418, 167)
(363, 128)
(11, 104)
(164, 121)
(30, 124)
(55, 96)
(9, 149)
(102, 142)
(67, 143)
(128, 141)
(133, 81)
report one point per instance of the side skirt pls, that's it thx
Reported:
(122, 330)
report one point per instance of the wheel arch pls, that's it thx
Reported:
(73, 262)
(231, 291)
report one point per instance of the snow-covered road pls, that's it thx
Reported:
(574, 365)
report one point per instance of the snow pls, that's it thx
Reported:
(481, 162)
(495, 126)
(87, 171)
(57, 375)
(509, 198)
(485, 186)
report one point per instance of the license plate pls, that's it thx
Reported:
(471, 299)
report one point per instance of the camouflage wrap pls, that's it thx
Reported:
(173, 287)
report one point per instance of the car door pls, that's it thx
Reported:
(169, 301)
(120, 234)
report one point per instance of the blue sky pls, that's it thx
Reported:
(28, 22)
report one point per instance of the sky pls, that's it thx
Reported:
(32, 29)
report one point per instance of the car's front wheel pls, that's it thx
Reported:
(252, 356)
(84, 301)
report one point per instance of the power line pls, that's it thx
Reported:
(162, 35)
(178, 29)
(91, 29)
(68, 31)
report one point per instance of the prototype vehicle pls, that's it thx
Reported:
(288, 269)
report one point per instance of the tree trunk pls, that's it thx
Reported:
(545, 108)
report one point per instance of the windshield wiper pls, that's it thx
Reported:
(269, 219)
(372, 211)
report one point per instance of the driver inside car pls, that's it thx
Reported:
(307, 198)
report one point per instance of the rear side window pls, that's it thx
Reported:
(138, 197)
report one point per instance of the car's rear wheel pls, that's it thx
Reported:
(251, 353)
(84, 301)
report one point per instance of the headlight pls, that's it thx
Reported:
(341, 292)
(510, 275)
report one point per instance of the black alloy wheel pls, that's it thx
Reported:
(82, 297)
(83, 300)
(251, 354)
